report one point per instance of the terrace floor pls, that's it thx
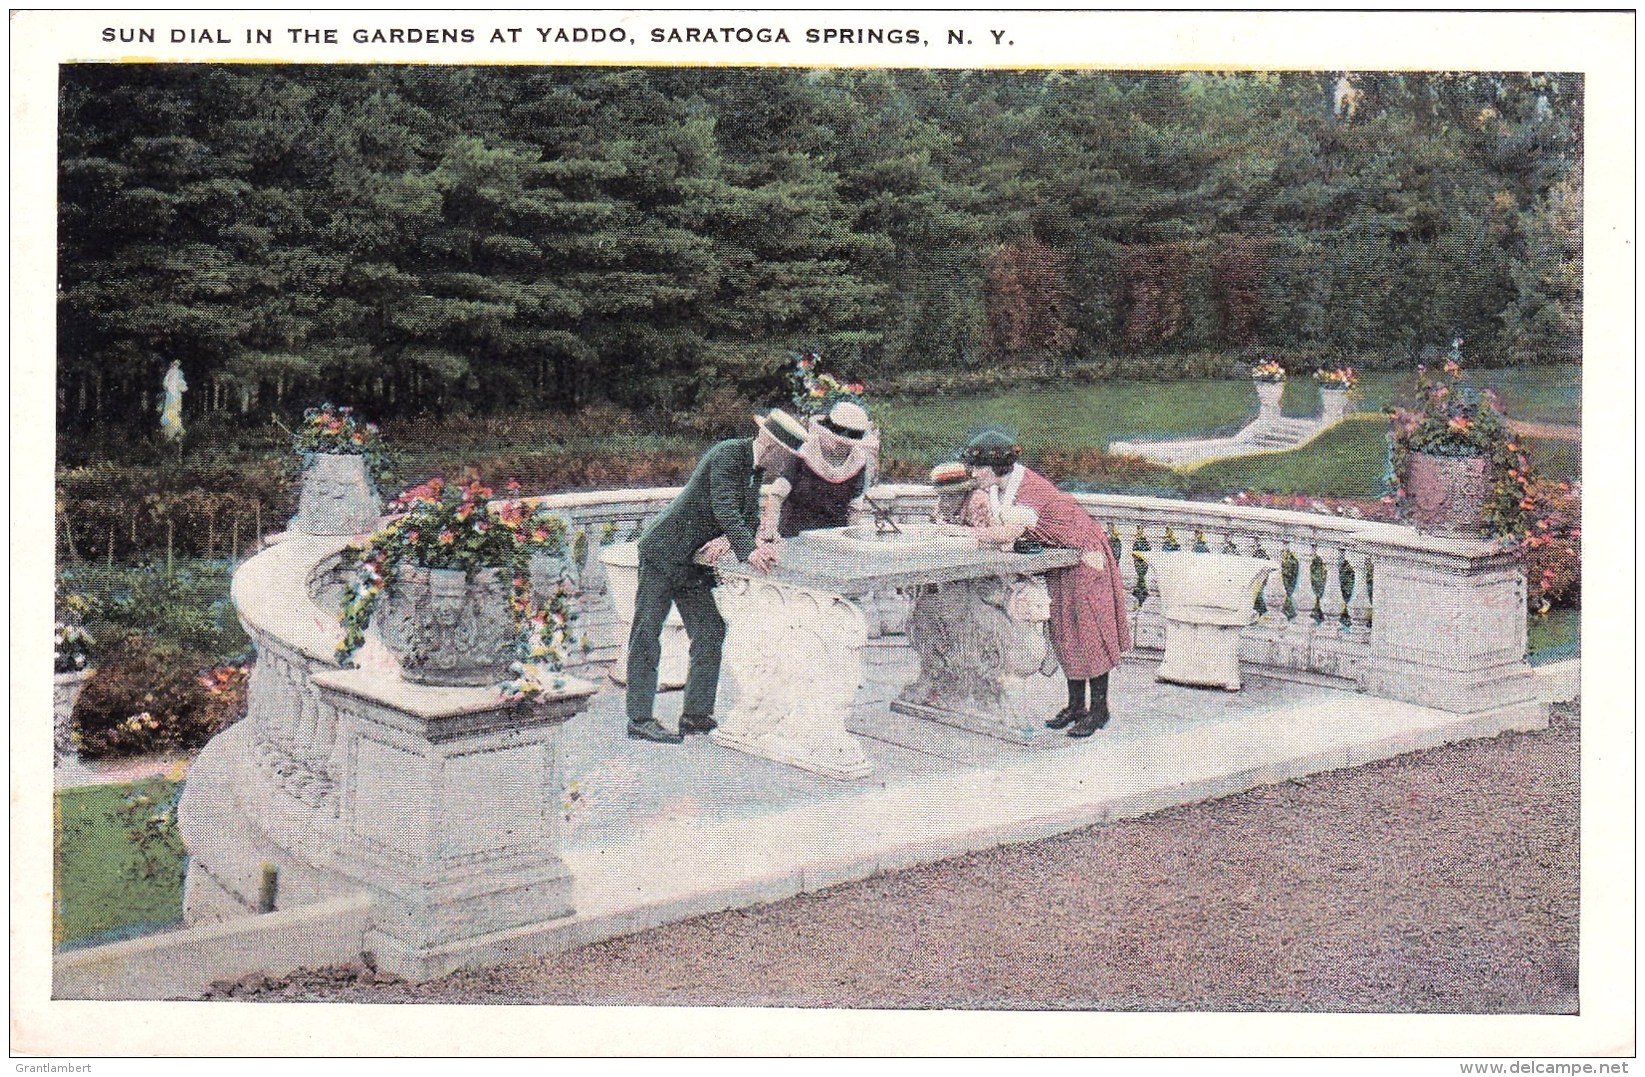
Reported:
(657, 833)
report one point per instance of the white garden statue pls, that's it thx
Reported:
(171, 405)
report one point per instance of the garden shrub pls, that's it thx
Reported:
(142, 699)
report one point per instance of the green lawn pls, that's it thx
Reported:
(1092, 415)
(1556, 636)
(103, 886)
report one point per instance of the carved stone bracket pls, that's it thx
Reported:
(981, 669)
(793, 657)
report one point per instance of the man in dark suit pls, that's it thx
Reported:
(718, 511)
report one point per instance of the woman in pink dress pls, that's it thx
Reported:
(1090, 623)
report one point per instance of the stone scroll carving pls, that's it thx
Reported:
(793, 660)
(985, 658)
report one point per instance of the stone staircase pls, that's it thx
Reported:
(1265, 433)
(1282, 433)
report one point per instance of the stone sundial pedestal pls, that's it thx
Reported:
(794, 646)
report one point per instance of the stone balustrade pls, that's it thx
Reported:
(1374, 606)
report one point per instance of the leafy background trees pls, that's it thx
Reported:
(413, 238)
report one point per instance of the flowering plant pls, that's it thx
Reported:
(1544, 518)
(331, 429)
(816, 392)
(1268, 371)
(436, 525)
(1343, 377)
(1449, 417)
(71, 648)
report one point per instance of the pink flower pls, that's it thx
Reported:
(448, 536)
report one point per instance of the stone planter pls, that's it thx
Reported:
(1333, 405)
(1446, 494)
(1268, 397)
(338, 496)
(65, 692)
(622, 567)
(447, 629)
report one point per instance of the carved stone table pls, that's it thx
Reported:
(795, 636)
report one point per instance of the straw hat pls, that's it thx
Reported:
(952, 478)
(784, 429)
(848, 419)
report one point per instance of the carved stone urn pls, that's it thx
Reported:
(65, 692)
(337, 497)
(447, 629)
(1446, 494)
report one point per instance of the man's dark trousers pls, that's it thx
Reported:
(691, 588)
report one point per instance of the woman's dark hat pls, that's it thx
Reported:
(992, 449)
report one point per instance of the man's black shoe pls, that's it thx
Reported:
(1066, 717)
(697, 723)
(650, 730)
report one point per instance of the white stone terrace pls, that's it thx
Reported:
(1407, 642)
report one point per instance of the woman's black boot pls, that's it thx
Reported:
(1067, 717)
(1075, 709)
(1094, 719)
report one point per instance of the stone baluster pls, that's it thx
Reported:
(1151, 600)
(1274, 592)
(1127, 563)
(1359, 601)
(1306, 597)
(1331, 604)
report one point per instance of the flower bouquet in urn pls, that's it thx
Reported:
(446, 578)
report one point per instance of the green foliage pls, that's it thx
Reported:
(438, 239)
(184, 613)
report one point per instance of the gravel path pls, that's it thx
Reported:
(1442, 881)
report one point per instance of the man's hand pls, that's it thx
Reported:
(764, 557)
(713, 550)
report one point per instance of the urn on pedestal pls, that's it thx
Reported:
(1441, 445)
(71, 666)
(1446, 495)
(338, 494)
(1268, 378)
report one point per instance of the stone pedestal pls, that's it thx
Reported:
(793, 660)
(337, 496)
(449, 813)
(1449, 629)
(1268, 398)
(65, 692)
(622, 567)
(984, 666)
(1333, 406)
(1206, 600)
